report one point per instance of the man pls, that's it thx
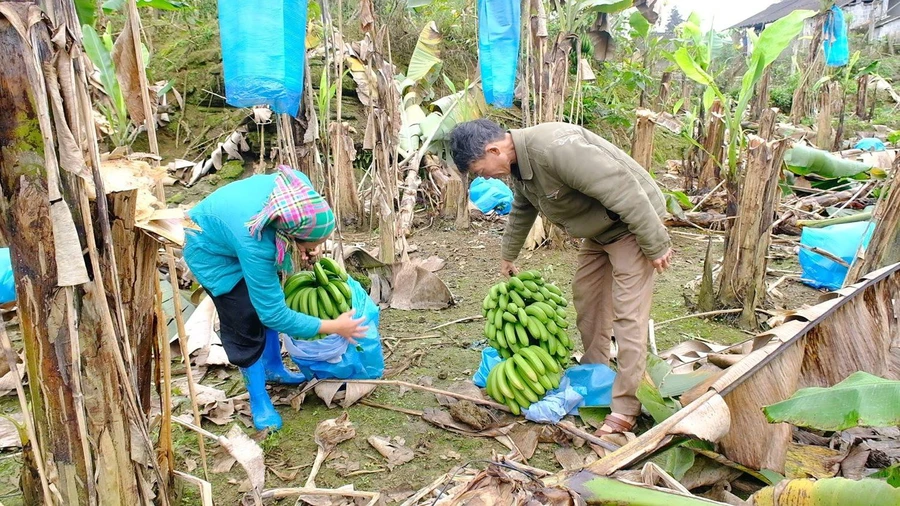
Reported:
(596, 192)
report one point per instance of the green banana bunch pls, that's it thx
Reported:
(524, 378)
(322, 292)
(527, 311)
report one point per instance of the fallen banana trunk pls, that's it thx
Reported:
(828, 492)
(814, 347)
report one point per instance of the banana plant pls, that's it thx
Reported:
(846, 75)
(87, 9)
(766, 48)
(99, 51)
(427, 127)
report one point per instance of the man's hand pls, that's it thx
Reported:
(662, 263)
(508, 268)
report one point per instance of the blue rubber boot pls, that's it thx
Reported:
(264, 414)
(276, 372)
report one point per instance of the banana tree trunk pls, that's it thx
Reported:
(742, 283)
(642, 142)
(884, 247)
(90, 430)
(711, 155)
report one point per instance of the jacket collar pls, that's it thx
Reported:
(519, 142)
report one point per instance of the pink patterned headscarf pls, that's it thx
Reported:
(297, 213)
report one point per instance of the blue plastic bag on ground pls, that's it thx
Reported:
(7, 282)
(842, 241)
(593, 382)
(263, 52)
(558, 403)
(489, 358)
(320, 358)
(499, 26)
(491, 195)
(837, 46)
(870, 144)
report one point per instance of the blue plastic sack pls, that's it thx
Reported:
(499, 26)
(593, 382)
(870, 144)
(837, 47)
(365, 361)
(491, 195)
(842, 241)
(489, 358)
(263, 52)
(562, 401)
(7, 282)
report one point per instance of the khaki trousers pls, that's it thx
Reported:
(613, 289)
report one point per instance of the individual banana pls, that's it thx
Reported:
(535, 362)
(502, 384)
(332, 266)
(549, 363)
(545, 382)
(345, 291)
(551, 327)
(521, 334)
(523, 366)
(336, 296)
(295, 281)
(509, 370)
(321, 275)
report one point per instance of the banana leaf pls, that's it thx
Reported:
(828, 492)
(613, 492)
(608, 6)
(891, 474)
(804, 160)
(639, 23)
(426, 58)
(669, 383)
(165, 5)
(86, 11)
(860, 400)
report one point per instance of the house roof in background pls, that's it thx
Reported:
(781, 9)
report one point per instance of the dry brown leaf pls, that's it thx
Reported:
(395, 453)
(125, 59)
(327, 392)
(247, 453)
(9, 433)
(568, 458)
(71, 269)
(460, 387)
(417, 288)
(287, 477)
(356, 391)
(525, 437)
(804, 461)
(8, 381)
(329, 433)
(443, 420)
(470, 414)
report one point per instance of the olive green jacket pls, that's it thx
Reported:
(584, 184)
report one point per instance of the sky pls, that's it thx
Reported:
(719, 14)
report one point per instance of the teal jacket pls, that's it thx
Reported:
(223, 252)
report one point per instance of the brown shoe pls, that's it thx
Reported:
(617, 424)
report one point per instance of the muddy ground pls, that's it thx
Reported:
(453, 356)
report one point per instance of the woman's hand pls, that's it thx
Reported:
(345, 326)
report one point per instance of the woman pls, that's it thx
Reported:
(247, 232)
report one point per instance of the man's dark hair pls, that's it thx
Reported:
(468, 140)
